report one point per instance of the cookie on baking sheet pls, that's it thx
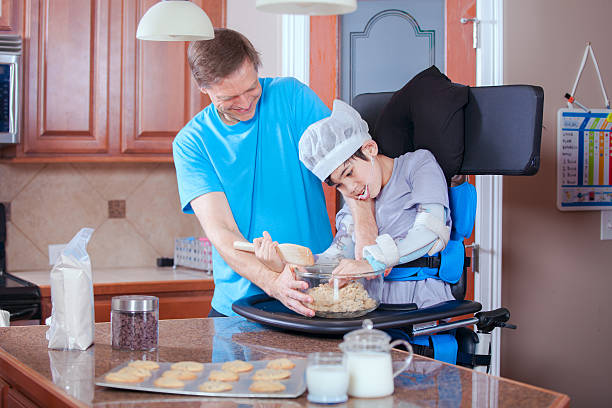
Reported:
(188, 366)
(138, 372)
(237, 366)
(146, 364)
(168, 382)
(215, 386)
(183, 375)
(126, 378)
(266, 374)
(280, 364)
(217, 375)
(266, 386)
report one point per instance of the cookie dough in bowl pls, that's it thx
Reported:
(342, 297)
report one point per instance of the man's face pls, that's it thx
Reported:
(236, 96)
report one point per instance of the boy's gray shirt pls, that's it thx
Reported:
(416, 179)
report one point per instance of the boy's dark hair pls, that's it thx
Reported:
(357, 155)
(213, 60)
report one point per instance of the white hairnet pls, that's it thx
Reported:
(329, 142)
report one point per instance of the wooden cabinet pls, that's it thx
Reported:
(66, 63)
(3, 391)
(15, 399)
(11, 398)
(10, 16)
(93, 92)
(177, 299)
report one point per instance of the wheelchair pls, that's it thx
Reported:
(502, 135)
(502, 128)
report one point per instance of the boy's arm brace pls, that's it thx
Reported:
(343, 245)
(428, 235)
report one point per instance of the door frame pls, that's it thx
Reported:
(488, 231)
(296, 31)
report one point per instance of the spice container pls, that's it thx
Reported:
(134, 322)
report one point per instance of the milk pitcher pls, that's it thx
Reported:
(369, 361)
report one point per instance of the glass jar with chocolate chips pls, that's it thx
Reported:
(134, 322)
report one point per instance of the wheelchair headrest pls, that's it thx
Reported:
(497, 131)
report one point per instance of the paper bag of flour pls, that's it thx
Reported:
(72, 317)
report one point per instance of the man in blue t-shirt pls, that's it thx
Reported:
(238, 170)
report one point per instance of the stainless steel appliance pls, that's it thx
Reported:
(10, 88)
(21, 298)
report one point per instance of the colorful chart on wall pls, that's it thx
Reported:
(584, 160)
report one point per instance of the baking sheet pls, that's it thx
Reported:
(294, 385)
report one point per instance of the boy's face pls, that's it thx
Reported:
(358, 179)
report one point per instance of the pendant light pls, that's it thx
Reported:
(175, 20)
(311, 8)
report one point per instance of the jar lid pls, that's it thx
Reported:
(135, 303)
(368, 335)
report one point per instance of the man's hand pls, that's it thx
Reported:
(266, 251)
(366, 230)
(286, 289)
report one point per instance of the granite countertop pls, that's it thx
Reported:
(71, 373)
(124, 275)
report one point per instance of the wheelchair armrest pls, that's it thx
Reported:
(444, 310)
(487, 321)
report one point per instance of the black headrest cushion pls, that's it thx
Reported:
(427, 113)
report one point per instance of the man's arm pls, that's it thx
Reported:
(215, 216)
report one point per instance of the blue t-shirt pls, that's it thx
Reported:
(256, 164)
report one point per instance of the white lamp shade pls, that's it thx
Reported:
(175, 20)
(311, 8)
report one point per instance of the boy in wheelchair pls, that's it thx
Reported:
(411, 207)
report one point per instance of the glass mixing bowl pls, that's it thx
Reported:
(341, 296)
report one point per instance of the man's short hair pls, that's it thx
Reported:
(212, 60)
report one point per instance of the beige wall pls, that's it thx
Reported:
(557, 273)
(51, 202)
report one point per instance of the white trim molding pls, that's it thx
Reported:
(488, 234)
(296, 47)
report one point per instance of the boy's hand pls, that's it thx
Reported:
(266, 251)
(352, 267)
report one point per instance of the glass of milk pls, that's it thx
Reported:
(368, 358)
(327, 378)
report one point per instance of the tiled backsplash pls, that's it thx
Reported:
(51, 202)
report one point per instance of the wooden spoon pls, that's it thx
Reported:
(291, 253)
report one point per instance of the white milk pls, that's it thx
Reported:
(370, 374)
(327, 383)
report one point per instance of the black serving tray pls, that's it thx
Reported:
(266, 310)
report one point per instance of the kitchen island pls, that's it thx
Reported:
(31, 375)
